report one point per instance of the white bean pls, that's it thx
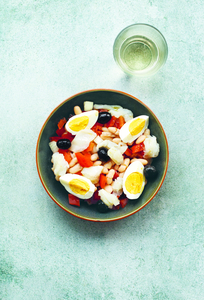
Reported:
(105, 170)
(106, 134)
(143, 161)
(140, 139)
(116, 140)
(116, 167)
(109, 180)
(94, 149)
(107, 138)
(117, 131)
(77, 110)
(109, 164)
(126, 162)
(73, 161)
(108, 188)
(94, 156)
(97, 163)
(147, 132)
(111, 173)
(122, 168)
(112, 129)
(105, 129)
(75, 169)
(130, 143)
(72, 154)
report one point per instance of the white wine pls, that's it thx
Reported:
(138, 53)
(140, 50)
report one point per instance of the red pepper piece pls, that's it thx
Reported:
(102, 180)
(73, 200)
(97, 128)
(117, 123)
(137, 148)
(123, 202)
(128, 152)
(111, 123)
(61, 123)
(139, 154)
(60, 131)
(94, 199)
(67, 135)
(62, 151)
(66, 153)
(96, 196)
(116, 207)
(67, 156)
(121, 121)
(116, 175)
(55, 138)
(79, 173)
(84, 159)
(90, 147)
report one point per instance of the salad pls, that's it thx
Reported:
(103, 155)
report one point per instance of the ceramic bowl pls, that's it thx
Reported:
(43, 154)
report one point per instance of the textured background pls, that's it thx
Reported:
(49, 50)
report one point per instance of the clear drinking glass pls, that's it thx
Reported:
(140, 49)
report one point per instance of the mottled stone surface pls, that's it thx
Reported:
(50, 50)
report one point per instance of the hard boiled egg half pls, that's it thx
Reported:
(134, 180)
(82, 121)
(78, 185)
(132, 129)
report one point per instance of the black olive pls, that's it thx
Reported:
(102, 153)
(150, 172)
(104, 117)
(63, 144)
(102, 207)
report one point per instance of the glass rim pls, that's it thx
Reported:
(145, 25)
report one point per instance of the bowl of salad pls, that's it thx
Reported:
(102, 155)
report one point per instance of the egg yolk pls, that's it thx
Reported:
(78, 124)
(79, 187)
(136, 126)
(133, 183)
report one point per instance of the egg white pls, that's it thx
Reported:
(66, 179)
(137, 167)
(125, 134)
(92, 116)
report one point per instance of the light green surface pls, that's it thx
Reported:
(50, 50)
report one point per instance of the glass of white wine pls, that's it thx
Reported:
(140, 49)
